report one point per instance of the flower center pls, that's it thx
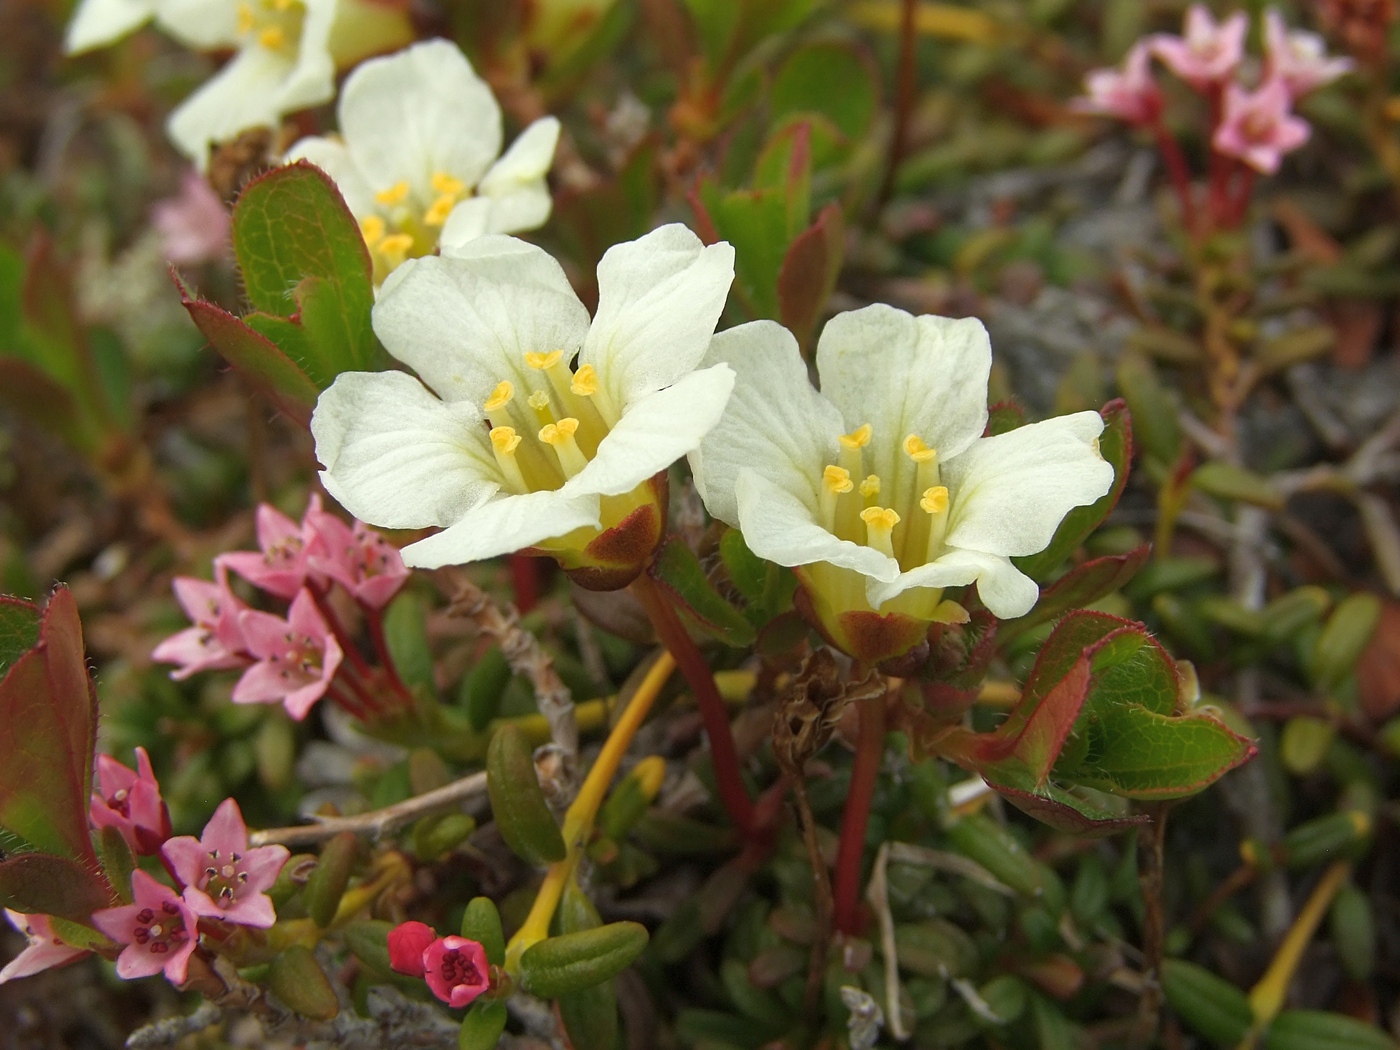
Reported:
(158, 931)
(224, 878)
(120, 802)
(406, 226)
(299, 663)
(457, 969)
(274, 25)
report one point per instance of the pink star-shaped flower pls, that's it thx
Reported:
(194, 225)
(280, 566)
(223, 878)
(215, 641)
(296, 657)
(1128, 93)
(160, 931)
(1258, 127)
(1298, 58)
(44, 950)
(131, 803)
(358, 558)
(1209, 53)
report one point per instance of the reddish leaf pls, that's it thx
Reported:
(1378, 670)
(1080, 586)
(809, 270)
(48, 727)
(1064, 812)
(39, 883)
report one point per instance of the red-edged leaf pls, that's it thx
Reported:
(48, 885)
(1068, 813)
(809, 272)
(48, 732)
(1079, 587)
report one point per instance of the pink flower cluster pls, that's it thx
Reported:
(218, 877)
(454, 967)
(1253, 124)
(293, 660)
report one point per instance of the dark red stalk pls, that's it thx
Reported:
(1178, 172)
(870, 749)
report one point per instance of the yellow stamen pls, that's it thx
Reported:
(441, 208)
(935, 503)
(585, 381)
(539, 401)
(560, 437)
(857, 438)
(935, 499)
(284, 5)
(372, 230)
(541, 361)
(836, 481)
(395, 248)
(273, 38)
(851, 445)
(917, 450)
(394, 194)
(870, 487)
(879, 525)
(501, 396)
(504, 442)
(246, 19)
(447, 185)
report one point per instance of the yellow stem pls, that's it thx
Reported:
(578, 821)
(1267, 997)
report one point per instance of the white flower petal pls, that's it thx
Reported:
(469, 220)
(526, 208)
(1010, 492)
(100, 22)
(1004, 589)
(419, 112)
(465, 322)
(526, 162)
(655, 432)
(659, 298)
(312, 77)
(778, 526)
(398, 457)
(246, 93)
(334, 159)
(776, 423)
(205, 25)
(503, 525)
(906, 375)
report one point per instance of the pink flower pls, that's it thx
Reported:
(357, 558)
(223, 878)
(456, 970)
(194, 224)
(407, 943)
(297, 657)
(159, 931)
(44, 950)
(1258, 128)
(1210, 51)
(131, 803)
(1298, 58)
(215, 641)
(1128, 93)
(280, 568)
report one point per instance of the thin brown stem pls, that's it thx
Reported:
(1151, 860)
(823, 903)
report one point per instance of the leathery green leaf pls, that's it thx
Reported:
(678, 570)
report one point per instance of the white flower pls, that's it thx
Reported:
(419, 164)
(880, 490)
(565, 465)
(194, 23)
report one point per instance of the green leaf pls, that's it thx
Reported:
(19, 629)
(1116, 446)
(48, 732)
(1318, 1030)
(406, 632)
(678, 570)
(302, 257)
(808, 272)
(483, 1025)
(572, 962)
(481, 922)
(1210, 1005)
(48, 885)
(832, 78)
(517, 802)
(1080, 586)
(1154, 412)
(1144, 755)
(1229, 482)
(755, 222)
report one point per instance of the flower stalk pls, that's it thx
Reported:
(870, 748)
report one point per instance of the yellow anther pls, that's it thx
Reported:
(857, 438)
(879, 524)
(284, 5)
(870, 487)
(559, 433)
(504, 440)
(441, 208)
(395, 248)
(445, 184)
(273, 38)
(917, 449)
(394, 194)
(372, 230)
(246, 19)
(837, 479)
(541, 361)
(500, 397)
(935, 499)
(585, 382)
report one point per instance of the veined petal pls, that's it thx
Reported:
(659, 298)
(655, 432)
(1004, 589)
(778, 526)
(334, 159)
(202, 24)
(1010, 492)
(246, 93)
(775, 424)
(464, 323)
(419, 112)
(100, 22)
(906, 375)
(504, 525)
(526, 162)
(399, 457)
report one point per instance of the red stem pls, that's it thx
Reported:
(870, 749)
(1179, 173)
(347, 644)
(723, 753)
(1219, 172)
(525, 579)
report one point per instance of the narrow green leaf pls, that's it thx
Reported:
(1229, 482)
(517, 803)
(678, 570)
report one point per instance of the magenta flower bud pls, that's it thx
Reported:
(131, 803)
(407, 943)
